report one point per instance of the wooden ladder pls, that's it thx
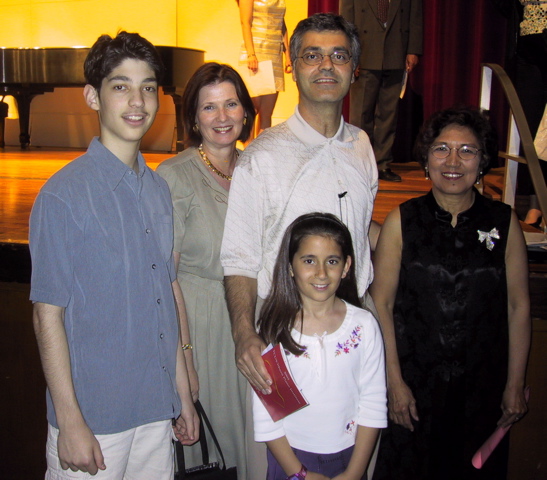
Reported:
(518, 134)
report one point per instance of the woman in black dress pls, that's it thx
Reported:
(451, 289)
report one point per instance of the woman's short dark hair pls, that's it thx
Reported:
(210, 74)
(279, 312)
(107, 53)
(326, 22)
(469, 117)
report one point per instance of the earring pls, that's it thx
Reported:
(479, 178)
(290, 271)
(426, 173)
(245, 120)
(195, 128)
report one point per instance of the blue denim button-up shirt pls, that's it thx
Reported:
(101, 241)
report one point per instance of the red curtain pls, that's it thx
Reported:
(458, 37)
(315, 6)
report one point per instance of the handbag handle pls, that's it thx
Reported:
(203, 420)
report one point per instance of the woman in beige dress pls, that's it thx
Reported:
(265, 38)
(217, 112)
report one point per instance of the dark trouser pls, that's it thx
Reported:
(374, 102)
(328, 464)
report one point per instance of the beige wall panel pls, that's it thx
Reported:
(62, 119)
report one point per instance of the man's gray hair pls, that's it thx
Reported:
(326, 22)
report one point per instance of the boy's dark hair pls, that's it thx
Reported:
(107, 53)
(212, 73)
(326, 22)
(279, 312)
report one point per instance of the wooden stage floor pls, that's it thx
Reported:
(23, 172)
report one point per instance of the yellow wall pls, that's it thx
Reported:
(209, 25)
(66, 23)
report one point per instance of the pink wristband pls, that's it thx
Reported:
(300, 475)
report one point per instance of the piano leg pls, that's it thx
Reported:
(23, 97)
(23, 105)
(4, 108)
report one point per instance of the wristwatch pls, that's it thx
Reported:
(300, 475)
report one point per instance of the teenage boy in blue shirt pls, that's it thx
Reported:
(103, 286)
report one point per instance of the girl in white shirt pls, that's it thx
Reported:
(335, 353)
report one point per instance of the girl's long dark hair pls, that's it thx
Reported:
(280, 310)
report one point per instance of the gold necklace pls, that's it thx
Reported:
(211, 166)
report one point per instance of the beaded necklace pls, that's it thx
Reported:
(211, 166)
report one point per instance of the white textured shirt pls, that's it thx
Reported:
(342, 376)
(289, 170)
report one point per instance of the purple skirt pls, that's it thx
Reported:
(329, 464)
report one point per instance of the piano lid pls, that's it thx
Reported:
(47, 66)
(64, 66)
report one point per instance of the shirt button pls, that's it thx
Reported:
(161, 336)
(153, 266)
(147, 230)
(158, 301)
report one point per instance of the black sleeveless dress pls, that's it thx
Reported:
(452, 339)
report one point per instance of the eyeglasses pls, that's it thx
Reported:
(465, 152)
(314, 58)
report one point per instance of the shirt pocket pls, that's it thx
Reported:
(163, 233)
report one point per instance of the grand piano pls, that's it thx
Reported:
(27, 72)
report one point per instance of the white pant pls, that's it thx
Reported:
(142, 453)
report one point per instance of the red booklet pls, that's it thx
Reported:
(285, 398)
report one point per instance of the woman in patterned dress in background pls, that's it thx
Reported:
(265, 38)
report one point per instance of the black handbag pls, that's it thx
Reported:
(207, 470)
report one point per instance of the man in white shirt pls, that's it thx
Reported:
(312, 162)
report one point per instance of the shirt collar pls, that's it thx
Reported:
(308, 135)
(111, 166)
(442, 215)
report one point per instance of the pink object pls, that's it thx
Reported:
(493, 440)
(488, 447)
